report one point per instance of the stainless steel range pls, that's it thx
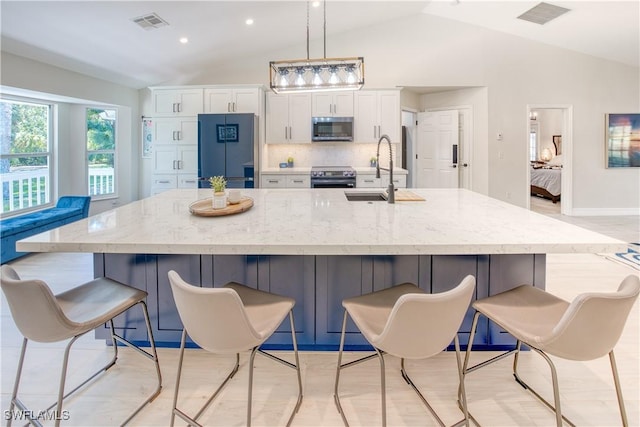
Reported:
(333, 177)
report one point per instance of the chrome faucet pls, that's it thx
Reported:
(391, 198)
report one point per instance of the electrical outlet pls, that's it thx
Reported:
(508, 195)
(500, 155)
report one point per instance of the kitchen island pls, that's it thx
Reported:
(319, 248)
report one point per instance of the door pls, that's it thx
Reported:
(239, 149)
(211, 149)
(277, 118)
(437, 149)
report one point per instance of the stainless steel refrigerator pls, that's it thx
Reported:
(228, 146)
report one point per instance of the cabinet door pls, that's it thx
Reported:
(187, 157)
(277, 118)
(300, 118)
(389, 115)
(218, 100)
(175, 130)
(164, 102)
(246, 100)
(164, 159)
(177, 102)
(332, 104)
(343, 104)
(322, 104)
(365, 117)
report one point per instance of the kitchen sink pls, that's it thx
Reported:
(357, 196)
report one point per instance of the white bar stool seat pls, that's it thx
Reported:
(42, 316)
(408, 323)
(230, 320)
(585, 329)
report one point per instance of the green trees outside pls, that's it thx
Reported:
(101, 131)
(24, 130)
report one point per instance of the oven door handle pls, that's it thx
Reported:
(345, 182)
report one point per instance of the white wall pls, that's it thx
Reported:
(432, 51)
(73, 92)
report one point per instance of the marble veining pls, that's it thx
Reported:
(323, 222)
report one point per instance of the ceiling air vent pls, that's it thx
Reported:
(543, 13)
(150, 21)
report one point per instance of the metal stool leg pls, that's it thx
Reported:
(251, 359)
(616, 380)
(336, 397)
(383, 388)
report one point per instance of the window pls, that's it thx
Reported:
(25, 154)
(101, 152)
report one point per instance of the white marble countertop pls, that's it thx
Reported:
(323, 222)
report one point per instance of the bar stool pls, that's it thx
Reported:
(230, 320)
(42, 316)
(585, 329)
(408, 323)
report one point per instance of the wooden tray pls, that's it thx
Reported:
(407, 196)
(204, 207)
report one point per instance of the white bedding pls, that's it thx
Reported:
(549, 179)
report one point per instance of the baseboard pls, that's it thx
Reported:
(604, 211)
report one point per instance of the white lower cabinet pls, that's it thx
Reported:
(174, 167)
(366, 180)
(279, 180)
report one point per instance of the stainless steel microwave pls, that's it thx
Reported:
(331, 129)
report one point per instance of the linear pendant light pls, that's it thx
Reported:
(316, 75)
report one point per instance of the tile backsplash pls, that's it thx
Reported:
(325, 154)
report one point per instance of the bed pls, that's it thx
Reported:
(546, 180)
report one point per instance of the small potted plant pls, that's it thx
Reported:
(290, 162)
(373, 161)
(218, 184)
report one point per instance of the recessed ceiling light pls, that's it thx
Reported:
(184, 40)
(315, 4)
(249, 21)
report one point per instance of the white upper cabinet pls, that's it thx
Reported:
(176, 102)
(176, 130)
(377, 113)
(288, 118)
(333, 104)
(232, 100)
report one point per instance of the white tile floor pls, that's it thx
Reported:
(495, 399)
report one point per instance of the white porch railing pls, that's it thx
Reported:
(26, 188)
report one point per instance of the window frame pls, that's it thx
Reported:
(50, 154)
(114, 194)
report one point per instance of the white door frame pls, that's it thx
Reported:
(411, 162)
(566, 191)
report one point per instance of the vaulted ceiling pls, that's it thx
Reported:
(99, 38)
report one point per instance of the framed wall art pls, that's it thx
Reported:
(622, 140)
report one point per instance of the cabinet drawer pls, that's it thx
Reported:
(273, 181)
(367, 181)
(298, 181)
(187, 181)
(164, 181)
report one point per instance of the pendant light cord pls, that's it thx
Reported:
(324, 29)
(307, 30)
